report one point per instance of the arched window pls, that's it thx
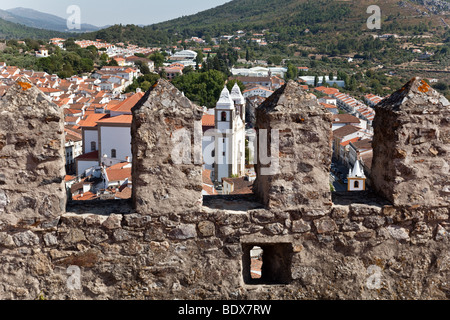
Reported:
(356, 185)
(113, 153)
(224, 116)
(93, 146)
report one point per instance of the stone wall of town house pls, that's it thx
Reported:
(357, 247)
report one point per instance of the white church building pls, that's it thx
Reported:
(229, 142)
(356, 178)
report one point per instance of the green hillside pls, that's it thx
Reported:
(259, 15)
(287, 19)
(10, 30)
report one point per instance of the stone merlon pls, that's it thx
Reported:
(300, 175)
(166, 175)
(411, 146)
(31, 154)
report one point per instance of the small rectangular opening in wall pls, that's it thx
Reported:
(256, 254)
(267, 263)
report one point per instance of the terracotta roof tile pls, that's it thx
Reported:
(345, 143)
(91, 120)
(125, 193)
(85, 197)
(209, 190)
(206, 175)
(88, 156)
(328, 106)
(241, 185)
(208, 120)
(345, 118)
(345, 131)
(126, 105)
(118, 174)
(69, 178)
(365, 144)
(122, 119)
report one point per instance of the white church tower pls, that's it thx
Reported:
(230, 145)
(356, 178)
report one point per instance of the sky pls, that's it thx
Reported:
(109, 12)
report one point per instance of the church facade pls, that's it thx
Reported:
(229, 160)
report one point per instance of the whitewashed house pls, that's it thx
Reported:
(258, 91)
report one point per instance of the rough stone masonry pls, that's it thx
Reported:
(31, 156)
(165, 181)
(302, 168)
(412, 146)
(359, 247)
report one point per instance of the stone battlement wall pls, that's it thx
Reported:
(202, 255)
(330, 246)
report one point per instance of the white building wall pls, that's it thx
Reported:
(208, 145)
(239, 148)
(352, 185)
(258, 92)
(227, 188)
(118, 138)
(82, 166)
(90, 136)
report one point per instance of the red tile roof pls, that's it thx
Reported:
(122, 119)
(91, 120)
(69, 178)
(120, 165)
(209, 190)
(345, 131)
(241, 185)
(365, 144)
(118, 174)
(328, 91)
(348, 141)
(88, 156)
(126, 105)
(206, 175)
(125, 193)
(345, 118)
(208, 120)
(85, 197)
(329, 106)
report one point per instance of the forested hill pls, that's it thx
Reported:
(260, 14)
(10, 30)
(287, 18)
(233, 16)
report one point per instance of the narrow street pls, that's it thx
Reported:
(337, 184)
(335, 180)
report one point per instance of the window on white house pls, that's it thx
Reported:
(93, 146)
(113, 153)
